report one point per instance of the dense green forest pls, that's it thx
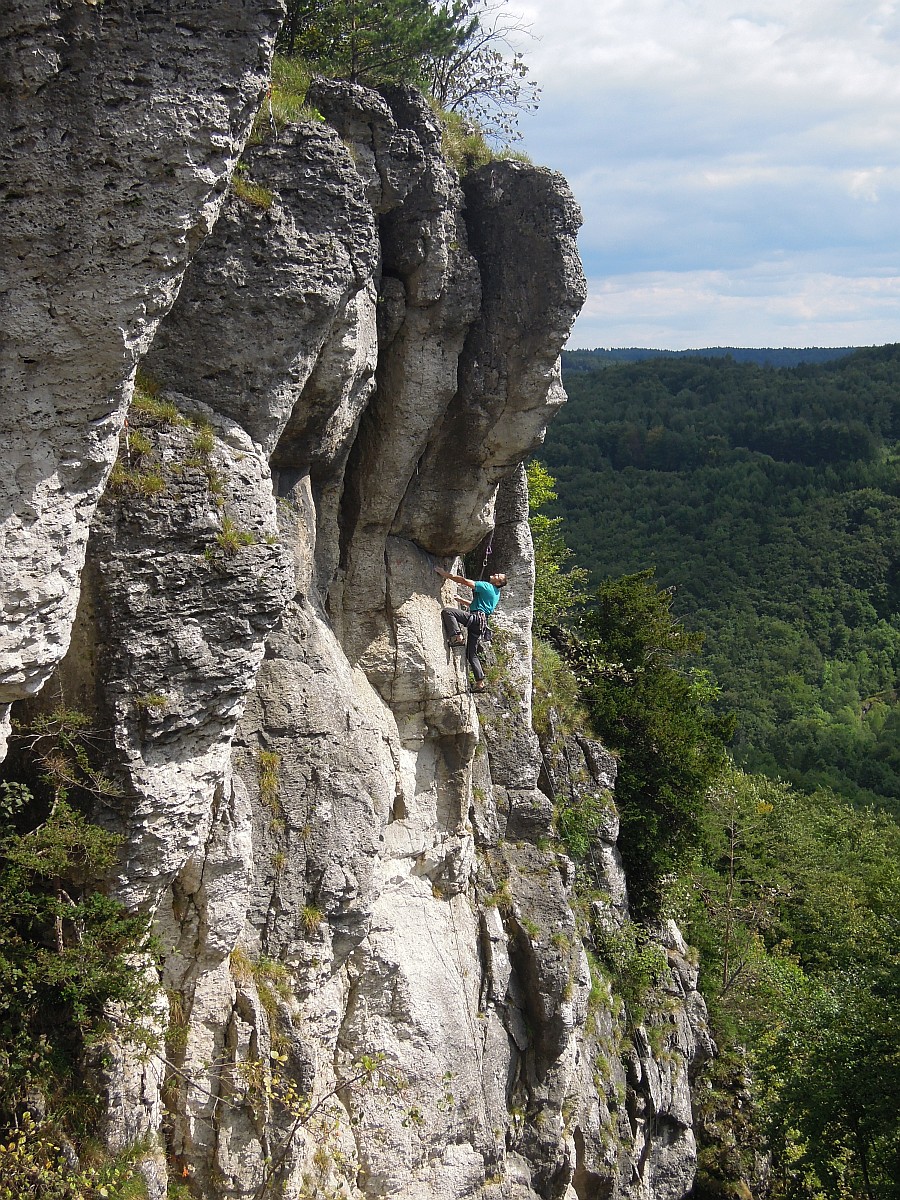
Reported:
(769, 499)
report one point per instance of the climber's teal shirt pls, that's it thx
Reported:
(487, 597)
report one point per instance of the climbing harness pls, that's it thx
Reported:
(478, 623)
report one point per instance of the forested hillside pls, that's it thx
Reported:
(770, 500)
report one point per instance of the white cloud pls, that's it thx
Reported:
(772, 304)
(703, 136)
(816, 52)
(863, 185)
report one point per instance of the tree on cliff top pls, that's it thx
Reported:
(461, 53)
(485, 79)
(372, 43)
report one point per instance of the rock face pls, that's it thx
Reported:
(373, 962)
(122, 125)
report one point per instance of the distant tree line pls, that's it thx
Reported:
(766, 356)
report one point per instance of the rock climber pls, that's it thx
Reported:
(485, 599)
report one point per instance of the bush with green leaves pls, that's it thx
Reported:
(556, 707)
(560, 589)
(67, 954)
(371, 43)
(636, 964)
(65, 950)
(578, 823)
(648, 702)
(33, 1163)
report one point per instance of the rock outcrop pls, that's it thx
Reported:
(373, 962)
(123, 123)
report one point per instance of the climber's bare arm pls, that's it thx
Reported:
(460, 579)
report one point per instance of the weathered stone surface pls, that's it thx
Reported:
(521, 224)
(424, 246)
(266, 289)
(121, 127)
(317, 836)
(183, 585)
(633, 1130)
(579, 771)
(130, 1078)
(509, 549)
(390, 160)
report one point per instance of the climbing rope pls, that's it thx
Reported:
(487, 554)
(271, 115)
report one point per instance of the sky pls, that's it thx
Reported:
(737, 166)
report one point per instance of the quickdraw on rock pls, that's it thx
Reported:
(487, 554)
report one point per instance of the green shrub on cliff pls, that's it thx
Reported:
(559, 589)
(35, 1162)
(67, 963)
(64, 951)
(556, 707)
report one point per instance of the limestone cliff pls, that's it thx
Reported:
(350, 863)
